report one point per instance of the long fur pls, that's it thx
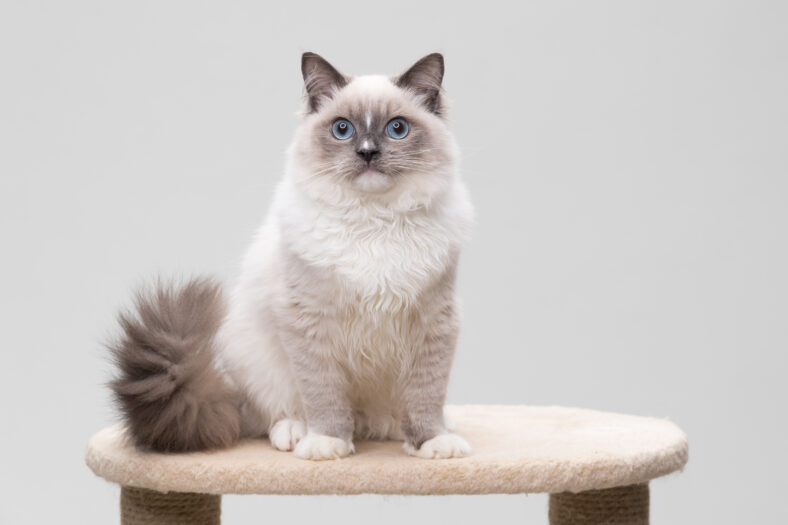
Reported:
(169, 391)
(344, 320)
(344, 316)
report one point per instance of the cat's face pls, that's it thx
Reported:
(374, 136)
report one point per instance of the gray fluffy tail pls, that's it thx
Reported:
(168, 389)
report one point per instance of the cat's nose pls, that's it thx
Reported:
(367, 154)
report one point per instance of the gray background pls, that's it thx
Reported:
(627, 160)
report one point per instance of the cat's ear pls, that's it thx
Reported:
(321, 80)
(424, 78)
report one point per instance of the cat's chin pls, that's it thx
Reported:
(373, 181)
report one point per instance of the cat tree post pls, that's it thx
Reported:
(595, 466)
(149, 507)
(627, 505)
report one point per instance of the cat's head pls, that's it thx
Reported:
(377, 138)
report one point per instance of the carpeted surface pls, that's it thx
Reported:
(516, 449)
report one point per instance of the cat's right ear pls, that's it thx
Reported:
(424, 79)
(321, 80)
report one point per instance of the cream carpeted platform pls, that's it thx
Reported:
(516, 449)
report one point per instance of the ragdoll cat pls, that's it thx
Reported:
(344, 321)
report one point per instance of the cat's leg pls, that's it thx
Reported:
(424, 392)
(328, 413)
(309, 331)
(323, 386)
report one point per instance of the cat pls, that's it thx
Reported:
(344, 321)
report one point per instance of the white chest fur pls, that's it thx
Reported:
(376, 256)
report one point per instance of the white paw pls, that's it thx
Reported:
(440, 447)
(286, 434)
(319, 446)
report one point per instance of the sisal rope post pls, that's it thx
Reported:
(627, 505)
(148, 507)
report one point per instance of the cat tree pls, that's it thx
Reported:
(595, 466)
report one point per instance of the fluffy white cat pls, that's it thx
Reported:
(344, 320)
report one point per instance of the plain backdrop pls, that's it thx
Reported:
(628, 161)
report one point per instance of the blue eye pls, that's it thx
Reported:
(342, 129)
(397, 128)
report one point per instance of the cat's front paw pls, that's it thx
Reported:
(286, 434)
(319, 446)
(441, 446)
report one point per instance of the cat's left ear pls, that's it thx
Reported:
(321, 80)
(424, 78)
